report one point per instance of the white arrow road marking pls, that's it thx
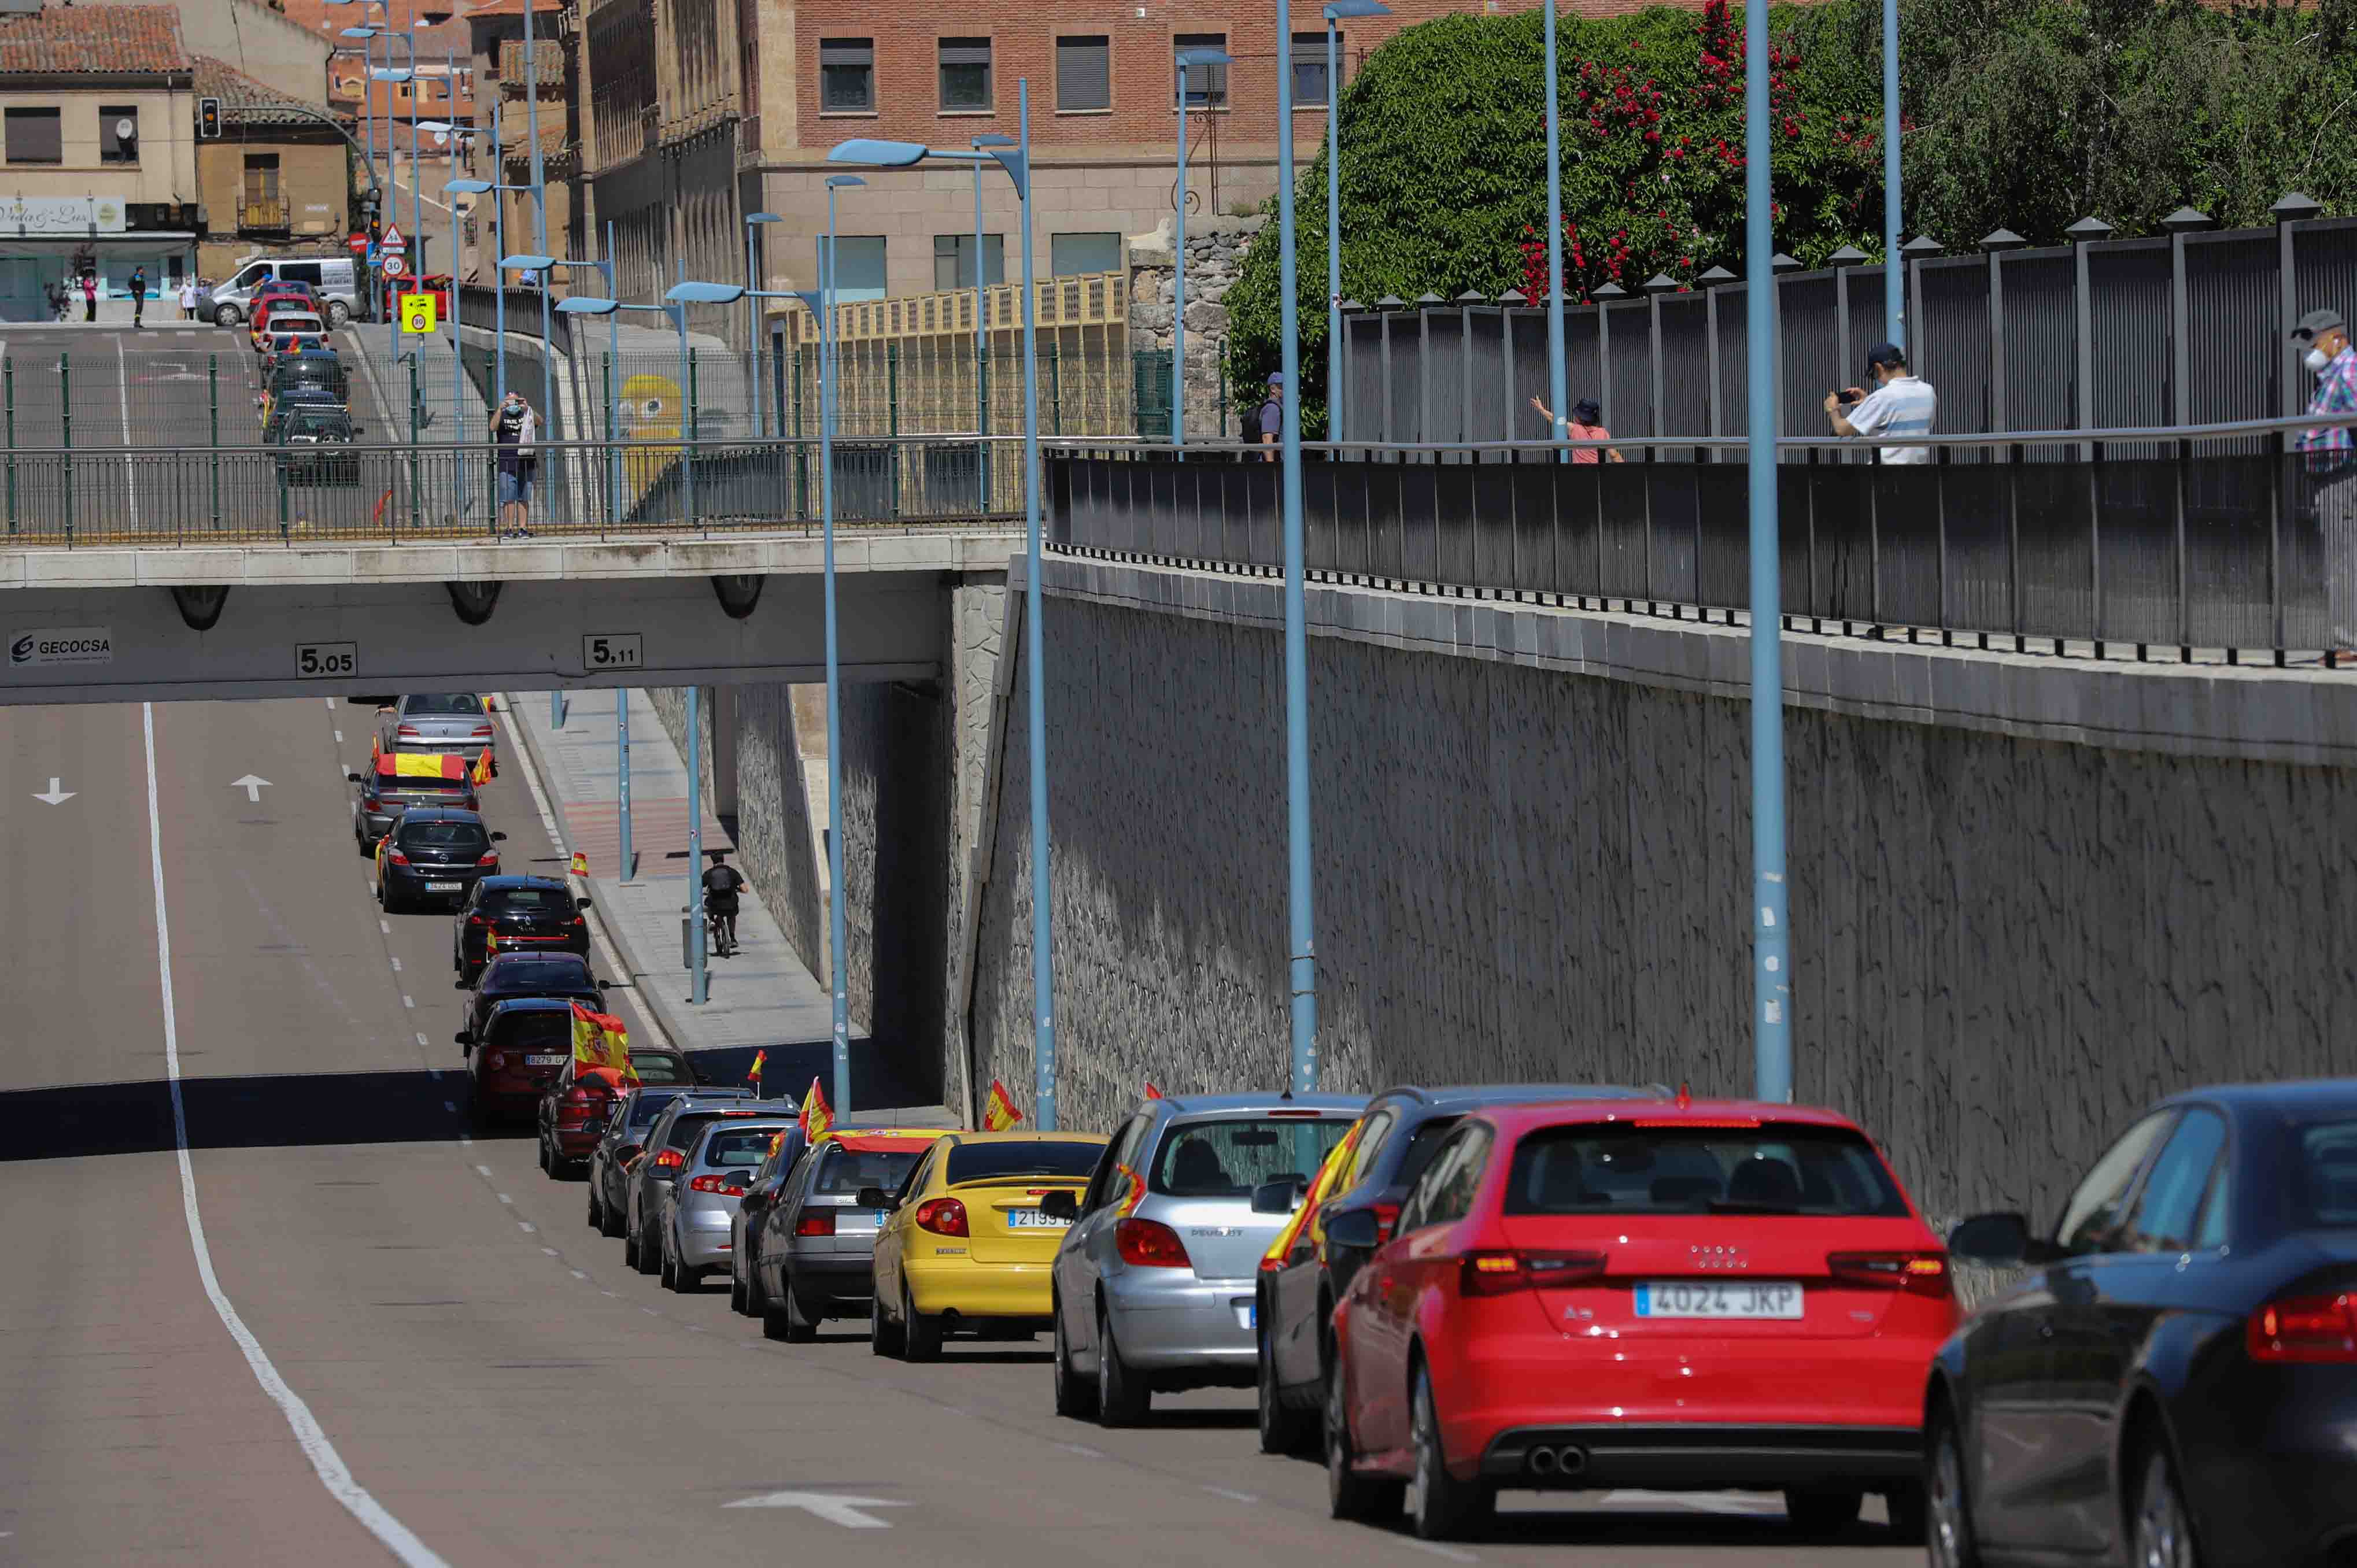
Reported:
(831, 1507)
(250, 784)
(57, 797)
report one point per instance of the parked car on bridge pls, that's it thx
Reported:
(665, 1152)
(813, 1250)
(521, 1045)
(516, 914)
(1153, 1285)
(965, 1245)
(694, 1236)
(1680, 1296)
(434, 855)
(2175, 1380)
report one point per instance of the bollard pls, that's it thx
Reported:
(213, 398)
(65, 418)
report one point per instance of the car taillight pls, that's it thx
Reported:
(815, 1222)
(395, 857)
(479, 920)
(490, 859)
(483, 732)
(670, 1160)
(581, 920)
(1501, 1273)
(581, 1094)
(720, 1185)
(1924, 1273)
(942, 1215)
(1386, 1216)
(495, 1061)
(2305, 1329)
(1150, 1244)
(406, 730)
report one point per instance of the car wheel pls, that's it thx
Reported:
(2164, 1531)
(801, 1326)
(226, 316)
(921, 1333)
(737, 1302)
(609, 1219)
(882, 1338)
(631, 1250)
(361, 842)
(1123, 1398)
(1821, 1515)
(1283, 1428)
(757, 1299)
(596, 1209)
(338, 314)
(1368, 1500)
(650, 1261)
(1071, 1394)
(541, 1148)
(1446, 1509)
(685, 1278)
(395, 903)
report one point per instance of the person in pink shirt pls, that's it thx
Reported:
(1587, 424)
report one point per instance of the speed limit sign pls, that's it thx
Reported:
(392, 264)
(417, 314)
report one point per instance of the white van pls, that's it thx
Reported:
(334, 279)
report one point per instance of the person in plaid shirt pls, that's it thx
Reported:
(2323, 335)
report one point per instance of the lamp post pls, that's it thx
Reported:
(983, 489)
(393, 77)
(581, 304)
(1339, 10)
(495, 190)
(456, 134)
(367, 33)
(545, 266)
(1894, 295)
(1208, 60)
(1558, 377)
(1300, 906)
(1771, 980)
(1016, 162)
(752, 316)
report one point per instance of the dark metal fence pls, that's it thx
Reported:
(2210, 549)
(2183, 329)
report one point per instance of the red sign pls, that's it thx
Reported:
(356, 243)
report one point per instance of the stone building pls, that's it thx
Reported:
(278, 178)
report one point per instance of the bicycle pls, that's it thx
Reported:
(720, 931)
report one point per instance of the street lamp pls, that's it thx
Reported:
(1208, 60)
(1300, 909)
(543, 265)
(752, 316)
(1894, 296)
(983, 490)
(1771, 979)
(1338, 11)
(392, 180)
(368, 100)
(1016, 162)
(1558, 375)
(457, 134)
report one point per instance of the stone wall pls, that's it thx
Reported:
(1215, 251)
(2003, 947)
(776, 847)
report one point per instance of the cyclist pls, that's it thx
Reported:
(721, 882)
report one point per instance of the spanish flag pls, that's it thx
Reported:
(1152, 1092)
(483, 774)
(1321, 1187)
(580, 866)
(815, 1118)
(998, 1112)
(760, 1060)
(601, 1040)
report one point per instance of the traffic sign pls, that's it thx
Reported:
(392, 264)
(392, 240)
(417, 313)
(356, 243)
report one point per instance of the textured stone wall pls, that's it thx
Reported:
(774, 841)
(2003, 947)
(1215, 249)
(895, 819)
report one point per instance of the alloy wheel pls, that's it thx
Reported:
(1950, 1535)
(2164, 1537)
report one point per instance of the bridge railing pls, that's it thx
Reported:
(2205, 544)
(304, 494)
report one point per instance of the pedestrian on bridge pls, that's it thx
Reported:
(2323, 335)
(89, 296)
(1270, 417)
(1587, 424)
(138, 296)
(517, 428)
(188, 297)
(1901, 404)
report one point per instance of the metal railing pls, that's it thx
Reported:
(2194, 544)
(267, 213)
(303, 494)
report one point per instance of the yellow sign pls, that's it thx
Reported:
(417, 313)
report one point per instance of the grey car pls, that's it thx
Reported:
(766, 1188)
(437, 721)
(609, 1160)
(697, 1207)
(663, 1155)
(1155, 1282)
(814, 1250)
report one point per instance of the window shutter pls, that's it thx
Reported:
(966, 51)
(1083, 73)
(846, 51)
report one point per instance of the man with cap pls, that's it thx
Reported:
(2322, 336)
(1272, 414)
(1901, 404)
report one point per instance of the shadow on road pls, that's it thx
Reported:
(1675, 1527)
(269, 1111)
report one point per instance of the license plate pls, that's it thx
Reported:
(444, 886)
(1032, 1220)
(1719, 1298)
(880, 1216)
(544, 1061)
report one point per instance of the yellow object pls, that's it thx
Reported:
(580, 866)
(599, 1040)
(999, 1267)
(1338, 1159)
(760, 1060)
(816, 1118)
(417, 313)
(998, 1112)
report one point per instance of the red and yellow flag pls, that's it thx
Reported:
(816, 1117)
(998, 1112)
(580, 866)
(601, 1040)
(418, 765)
(483, 774)
(760, 1060)
(1321, 1187)
(1152, 1092)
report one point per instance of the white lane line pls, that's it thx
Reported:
(1699, 1502)
(1437, 1549)
(384, 926)
(466, 1142)
(526, 1227)
(576, 1273)
(340, 737)
(396, 966)
(130, 465)
(408, 1002)
(1083, 1450)
(326, 1463)
(330, 701)
(550, 1251)
(1232, 1497)
(421, 1040)
(484, 1170)
(502, 1197)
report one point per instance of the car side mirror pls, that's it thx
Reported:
(1998, 1241)
(874, 1197)
(581, 903)
(355, 778)
(464, 1037)
(1354, 1228)
(1060, 1204)
(360, 429)
(602, 983)
(1282, 1196)
(499, 838)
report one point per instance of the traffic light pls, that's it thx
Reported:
(209, 118)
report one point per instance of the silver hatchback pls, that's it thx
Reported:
(814, 1250)
(1155, 1282)
(698, 1208)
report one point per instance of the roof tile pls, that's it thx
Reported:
(92, 40)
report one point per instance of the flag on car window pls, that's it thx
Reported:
(1329, 1176)
(580, 866)
(1152, 1092)
(816, 1117)
(483, 774)
(998, 1112)
(601, 1040)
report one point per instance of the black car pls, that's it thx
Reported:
(434, 855)
(1295, 1300)
(319, 369)
(2175, 1381)
(316, 445)
(517, 914)
(509, 975)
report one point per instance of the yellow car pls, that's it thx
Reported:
(965, 1246)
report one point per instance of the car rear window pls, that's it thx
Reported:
(529, 899)
(845, 1171)
(1776, 1168)
(437, 704)
(2325, 1182)
(393, 786)
(531, 1030)
(535, 973)
(648, 1107)
(659, 1069)
(738, 1148)
(1228, 1158)
(993, 1162)
(445, 835)
(1422, 1144)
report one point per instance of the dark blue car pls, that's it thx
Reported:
(2175, 1380)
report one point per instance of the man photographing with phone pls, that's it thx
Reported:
(1901, 404)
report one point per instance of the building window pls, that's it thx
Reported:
(859, 265)
(1083, 73)
(846, 69)
(965, 74)
(35, 137)
(1309, 69)
(1207, 85)
(954, 260)
(118, 133)
(1070, 254)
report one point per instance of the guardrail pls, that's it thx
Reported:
(2194, 543)
(301, 494)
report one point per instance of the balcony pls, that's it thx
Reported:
(261, 215)
(548, 56)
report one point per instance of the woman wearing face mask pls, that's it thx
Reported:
(517, 428)
(2323, 335)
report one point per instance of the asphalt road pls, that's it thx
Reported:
(487, 1380)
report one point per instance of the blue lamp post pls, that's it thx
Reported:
(983, 490)
(1894, 275)
(1017, 162)
(458, 135)
(499, 243)
(1206, 60)
(543, 265)
(1559, 375)
(1771, 955)
(752, 316)
(1338, 11)
(416, 193)
(1300, 905)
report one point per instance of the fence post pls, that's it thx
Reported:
(984, 494)
(892, 416)
(1056, 386)
(212, 394)
(65, 419)
(414, 519)
(8, 372)
(801, 456)
(693, 429)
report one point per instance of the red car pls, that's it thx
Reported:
(1696, 1296)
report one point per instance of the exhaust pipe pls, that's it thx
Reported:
(1570, 1460)
(1542, 1462)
